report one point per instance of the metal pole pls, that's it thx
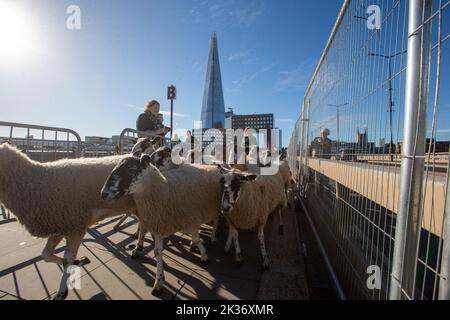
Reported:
(408, 224)
(338, 136)
(171, 119)
(391, 110)
(444, 282)
(334, 278)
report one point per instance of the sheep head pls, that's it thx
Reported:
(122, 180)
(145, 145)
(232, 182)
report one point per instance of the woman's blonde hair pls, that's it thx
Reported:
(150, 104)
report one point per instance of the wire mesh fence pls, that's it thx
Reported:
(370, 149)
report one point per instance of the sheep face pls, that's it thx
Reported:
(121, 178)
(145, 145)
(161, 158)
(232, 183)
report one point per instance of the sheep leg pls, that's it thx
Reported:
(226, 249)
(237, 249)
(198, 242)
(281, 227)
(262, 245)
(48, 254)
(137, 233)
(118, 224)
(72, 246)
(140, 245)
(159, 282)
(214, 231)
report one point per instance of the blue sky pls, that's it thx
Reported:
(96, 80)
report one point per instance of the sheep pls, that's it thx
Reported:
(57, 200)
(168, 202)
(142, 145)
(247, 205)
(163, 161)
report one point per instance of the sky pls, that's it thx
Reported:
(96, 79)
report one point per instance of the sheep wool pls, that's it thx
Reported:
(56, 198)
(178, 200)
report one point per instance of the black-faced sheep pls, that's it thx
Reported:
(247, 201)
(168, 202)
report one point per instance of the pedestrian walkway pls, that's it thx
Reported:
(112, 274)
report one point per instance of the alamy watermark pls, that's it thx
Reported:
(230, 146)
(374, 19)
(373, 281)
(74, 280)
(73, 21)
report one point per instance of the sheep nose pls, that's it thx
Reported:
(226, 209)
(107, 196)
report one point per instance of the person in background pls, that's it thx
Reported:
(148, 120)
(321, 146)
(161, 118)
(175, 139)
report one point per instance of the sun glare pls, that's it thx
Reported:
(17, 40)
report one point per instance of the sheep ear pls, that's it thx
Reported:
(156, 140)
(145, 160)
(248, 177)
(221, 169)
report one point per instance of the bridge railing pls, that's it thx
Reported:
(370, 149)
(40, 143)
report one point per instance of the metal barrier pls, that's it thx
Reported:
(377, 183)
(129, 136)
(43, 148)
(40, 149)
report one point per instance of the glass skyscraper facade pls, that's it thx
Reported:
(213, 107)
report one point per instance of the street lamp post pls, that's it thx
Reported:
(391, 101)
(337, 106)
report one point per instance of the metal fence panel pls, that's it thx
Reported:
(40, 143)
(352, 176)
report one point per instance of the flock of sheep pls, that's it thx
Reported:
(62, 199)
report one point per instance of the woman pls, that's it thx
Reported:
(148, 120)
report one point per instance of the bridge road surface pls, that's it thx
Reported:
(112, 274)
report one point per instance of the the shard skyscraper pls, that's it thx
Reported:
(213, 107)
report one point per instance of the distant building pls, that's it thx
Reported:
(280, 138)
(97, 140)
(361, 137)
(228, 118)
(253, 121)
(213, 107)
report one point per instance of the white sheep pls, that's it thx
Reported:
(142, 145)
(57, 200)
(247, 205)
(169, 202)
(162, 159)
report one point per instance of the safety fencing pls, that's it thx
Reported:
(44, 144)
(370, 149)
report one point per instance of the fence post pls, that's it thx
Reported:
(408, 224)
(444, 282)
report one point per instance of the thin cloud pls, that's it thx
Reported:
(248, 15)
(297, 78)
(249, 78)
(226, 12)
(239, 56)
(281, 120)
(198, 67)
(179, 115)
